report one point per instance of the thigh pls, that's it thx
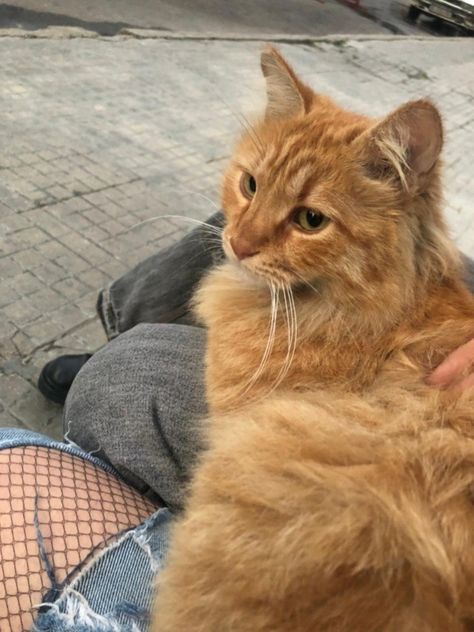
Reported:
(139, 403)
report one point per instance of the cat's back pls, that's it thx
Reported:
(307, 506)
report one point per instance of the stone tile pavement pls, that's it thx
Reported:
(98, 135)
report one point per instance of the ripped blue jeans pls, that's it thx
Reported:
(113, 591)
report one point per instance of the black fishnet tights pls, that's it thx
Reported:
(79, 507)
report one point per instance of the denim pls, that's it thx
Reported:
(14, 437)
(143, 395)
(144, 392)
(114, 591)
(159, 288)
(138, 404)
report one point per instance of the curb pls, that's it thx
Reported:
(54, 32)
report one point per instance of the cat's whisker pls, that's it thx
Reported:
(297, 274)
(215, 230)
(253, 135)
(243, 121)
(292, 307)
(310, 285)
(289, 324)
(295, 321)
(208, 227)
(270, 339)
(249, 132)
(205, 197)
(275, 302)
(289, 316)
(213, 252)
(207, 240)
(292, 324)
(318, 292)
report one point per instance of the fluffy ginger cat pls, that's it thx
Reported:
(336, 493)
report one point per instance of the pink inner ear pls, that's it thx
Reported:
(409, 140)
(425, 135)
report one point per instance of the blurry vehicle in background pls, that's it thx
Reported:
(458, 13)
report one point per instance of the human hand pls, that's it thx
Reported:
(457, 370)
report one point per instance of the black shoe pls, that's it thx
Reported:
(57, 376)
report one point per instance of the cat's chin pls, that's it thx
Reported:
(252, 279)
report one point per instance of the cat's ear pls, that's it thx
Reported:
(286, 94)
(407, 143)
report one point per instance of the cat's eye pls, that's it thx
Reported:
(309, 219)
(248, 185)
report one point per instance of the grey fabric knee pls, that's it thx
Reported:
(139, 403)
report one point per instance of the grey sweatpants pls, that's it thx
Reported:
(139, 402)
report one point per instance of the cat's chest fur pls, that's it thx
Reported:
(248, 356)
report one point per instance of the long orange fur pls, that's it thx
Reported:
(336, 493)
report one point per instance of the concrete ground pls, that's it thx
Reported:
(99, 134)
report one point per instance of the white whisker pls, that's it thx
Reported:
(208, 227)
(308, 283)
(270, 339)
(297, 274)
(205, 197)
(284, 367)
(252, 133)
(241, 118)
(292, 325)
(295, 324)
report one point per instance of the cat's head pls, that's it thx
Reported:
(319, 194)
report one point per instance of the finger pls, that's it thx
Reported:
(457, 362)
(466, 384)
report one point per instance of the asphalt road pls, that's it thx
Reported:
(394, 14)
(107, 17)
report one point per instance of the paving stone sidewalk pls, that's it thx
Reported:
(98, 135)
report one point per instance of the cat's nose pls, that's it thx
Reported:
(242, 250)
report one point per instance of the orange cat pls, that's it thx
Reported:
(336, 493)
